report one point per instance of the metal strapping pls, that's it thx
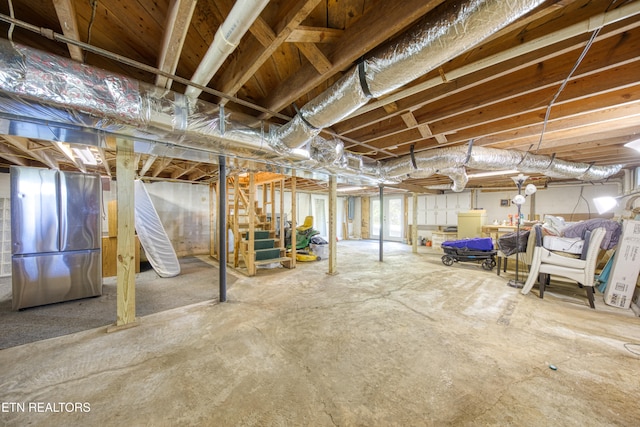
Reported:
(295, 107)
(466, 160)
(363, 80)
(413, 156)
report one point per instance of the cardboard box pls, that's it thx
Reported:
(626, 267)
(635, 301)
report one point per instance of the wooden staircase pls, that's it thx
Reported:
(254, 236)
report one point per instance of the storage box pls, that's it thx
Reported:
(320, 250)
(626, 266)
(572, 245)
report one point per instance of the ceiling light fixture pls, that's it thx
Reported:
(634, 145)
(85, 155)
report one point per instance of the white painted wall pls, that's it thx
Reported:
(552, 200)
(183, 210)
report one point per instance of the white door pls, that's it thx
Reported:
(319, 212)
(392, 220)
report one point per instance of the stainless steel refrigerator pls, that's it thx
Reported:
(55, 236)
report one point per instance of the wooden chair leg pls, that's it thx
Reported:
(590, 296)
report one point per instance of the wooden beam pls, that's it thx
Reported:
(9, 155)
(373, 28)
(242, 68)
(22, 144)
(304, 34)
(69, 24)
(65, 150)
(528, 53)
(176, 26)
(105, 162)
(147, 165)
(125, 287)
(262, 32)
(162, 164)
(315, 56)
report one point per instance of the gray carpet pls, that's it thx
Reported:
(197, 282)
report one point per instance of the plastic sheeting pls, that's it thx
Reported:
(153, 238)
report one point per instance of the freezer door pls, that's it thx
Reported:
(45, 279)
(80, 222)
(34, 210)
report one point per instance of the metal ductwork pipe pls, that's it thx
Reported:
(452, 161)
(225, 41)
(450, 30)
(54, 90)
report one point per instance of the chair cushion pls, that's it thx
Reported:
(572, 245)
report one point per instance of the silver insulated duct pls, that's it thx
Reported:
(51, 90)
(448, 31)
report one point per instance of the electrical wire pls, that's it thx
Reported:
(94, 7)
(12, 26)
(564, 84)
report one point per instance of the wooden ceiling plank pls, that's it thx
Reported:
(176, 26)
(608, 90)
(491, 104)
(374, 27)
(69, 24)
(470, 75)
(243, 68)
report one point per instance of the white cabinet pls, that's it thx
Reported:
(442, 209)
(5, 237)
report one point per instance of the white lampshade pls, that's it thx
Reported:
(605, 204)
(530, 189)
(519, 199)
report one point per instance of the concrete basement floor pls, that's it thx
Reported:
(405, 342)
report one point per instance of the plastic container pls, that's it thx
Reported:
(320, 250)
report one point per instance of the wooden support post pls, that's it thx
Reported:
(294, 215)
(414, 227)
(237, 235)
(366, 218)
(405, 225)
(333, 224)
(282, 236)
(272, 193)
(251, 251)
(126, 271)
